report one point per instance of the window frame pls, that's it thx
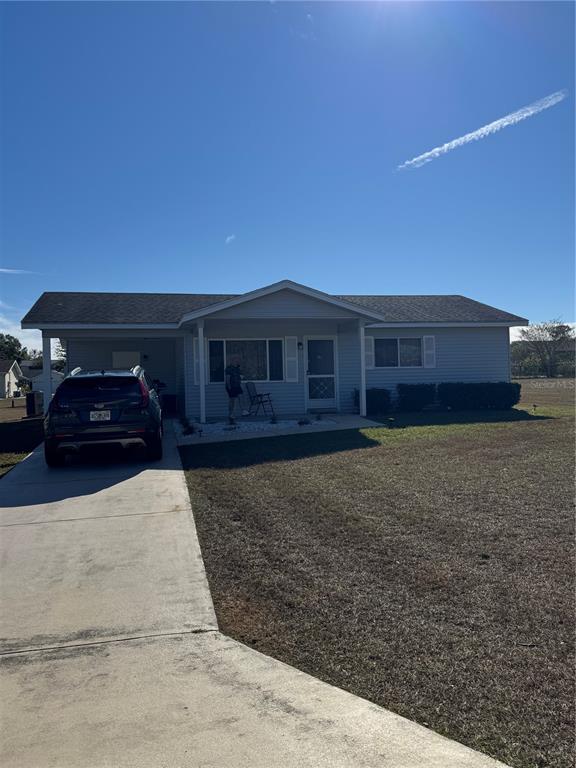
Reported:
(398, 339)
(267, 339)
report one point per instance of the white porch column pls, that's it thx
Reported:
(361, 335)
(188, 371)
(46, 371)
(202, 370)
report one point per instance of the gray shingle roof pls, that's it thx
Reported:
(433, 309)
(5, 365)
(156, 308)
(118, 307)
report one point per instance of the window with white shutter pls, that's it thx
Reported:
(291, 358)
(429, 343)
(369, 351)
(196, 362)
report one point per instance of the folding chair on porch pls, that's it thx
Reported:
(258, 400)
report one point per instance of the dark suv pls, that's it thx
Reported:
(102, 407)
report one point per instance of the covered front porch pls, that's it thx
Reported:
(307, 366)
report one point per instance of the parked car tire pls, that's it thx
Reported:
(154, 445)
(54, 457)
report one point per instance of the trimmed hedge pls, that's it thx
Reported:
(487, 395)
(415, 397)
(377, 401)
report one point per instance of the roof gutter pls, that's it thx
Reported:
(99, 326)
(425, 324)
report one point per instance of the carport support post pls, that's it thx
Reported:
(46, 371)
(362, 399)
(202, 370)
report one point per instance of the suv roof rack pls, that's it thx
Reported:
(75, 371)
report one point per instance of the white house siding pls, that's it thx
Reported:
(348, 365)
(8, 384)
(285, 304)
(462, 354)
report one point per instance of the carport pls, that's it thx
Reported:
(158, 352)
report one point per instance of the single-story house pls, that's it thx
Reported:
(10, 375)
(311, 350)
(32, 371)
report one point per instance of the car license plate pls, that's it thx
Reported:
(99, 415)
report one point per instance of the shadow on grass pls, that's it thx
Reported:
(243, 453)
(20, 436)
(446, 418)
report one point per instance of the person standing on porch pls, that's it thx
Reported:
(233, 383)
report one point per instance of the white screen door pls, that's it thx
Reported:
(320, 373)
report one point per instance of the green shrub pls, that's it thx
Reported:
(462, 396)
(377, 401)
(415, 397)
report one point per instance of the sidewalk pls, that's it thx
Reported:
(111, 653)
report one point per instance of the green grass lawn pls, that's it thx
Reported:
(428, 567)
(8, 460)
(12, 409)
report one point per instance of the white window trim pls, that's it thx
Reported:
(267, 339)
(397, 339)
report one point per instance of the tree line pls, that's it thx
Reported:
(11, 348)
(544, 349)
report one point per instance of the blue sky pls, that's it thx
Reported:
(218, 147)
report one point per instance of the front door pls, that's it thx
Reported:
(320, 373)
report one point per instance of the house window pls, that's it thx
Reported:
(410, 352)
(394, 353)
(386, 353)
(216, 355)
(251, 356)
(260, 359)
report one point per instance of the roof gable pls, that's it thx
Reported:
(310, 297)
(6, 366)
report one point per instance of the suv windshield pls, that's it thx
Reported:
(103, 389)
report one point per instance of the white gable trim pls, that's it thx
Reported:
(274, 288)
(15, 369)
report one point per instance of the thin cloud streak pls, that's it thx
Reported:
(16, 271)
(486, 130)
(230, 239)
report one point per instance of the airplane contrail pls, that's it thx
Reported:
(487, 130)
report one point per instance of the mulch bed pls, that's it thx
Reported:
(428, 569)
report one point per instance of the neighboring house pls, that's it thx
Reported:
(310, 350)
(10, 375)
(32, 370)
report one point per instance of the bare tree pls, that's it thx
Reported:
(545, 340)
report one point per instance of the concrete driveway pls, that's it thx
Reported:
(111, 656)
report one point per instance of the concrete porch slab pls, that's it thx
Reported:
(330, 422)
